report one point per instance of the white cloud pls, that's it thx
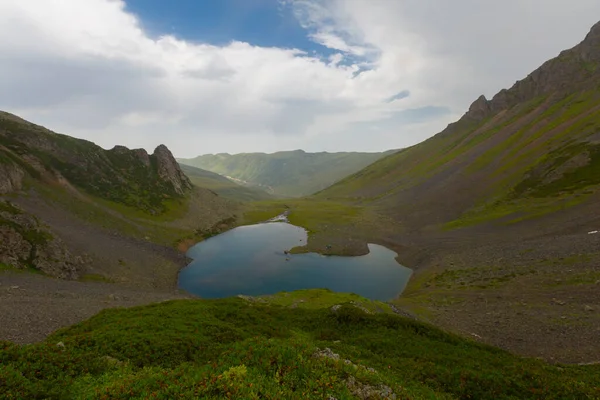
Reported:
(87, 68)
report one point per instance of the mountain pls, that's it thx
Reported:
(498, 215)
(286, 173)
(306, 344)
(223, 186)
(70, 209)
(529, 151)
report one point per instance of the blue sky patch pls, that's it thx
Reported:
(265, 23)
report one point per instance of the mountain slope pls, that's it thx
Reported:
(530, 150)
(223, 186)
(286, 173)
(498, 215)
(70, 209)
(130, 177)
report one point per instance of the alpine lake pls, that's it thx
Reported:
(253, 260)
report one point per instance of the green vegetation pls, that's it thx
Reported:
(311, 214)
(223, 186)
(234, 348)
(120, 175)
(287, 173)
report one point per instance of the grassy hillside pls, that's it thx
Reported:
(130, 177)
(265, 348)
(73, 210)
(530, 151)
(497, 214)
(286, 173)
(223, 186)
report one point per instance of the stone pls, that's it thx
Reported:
(168, 170)
(11, 178)
(558, 302)
(588, 308)
(60, 345)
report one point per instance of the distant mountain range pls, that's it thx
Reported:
(286, 173)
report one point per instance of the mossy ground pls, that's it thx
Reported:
(232, 348)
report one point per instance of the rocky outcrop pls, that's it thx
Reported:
(130, 177)
(169, 171)
(143, 156)
(479, 109)
(572, 69)
(25, 244)
(11, 177)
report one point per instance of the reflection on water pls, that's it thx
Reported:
(250, 260)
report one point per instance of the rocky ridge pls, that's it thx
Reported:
(131, 177)
(572, 69)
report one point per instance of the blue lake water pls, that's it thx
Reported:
(250, 260)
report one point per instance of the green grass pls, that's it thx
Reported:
(27, 270)
(312, 214)
(323, 298)
(509, 212)
(233, 348)
(119, 176)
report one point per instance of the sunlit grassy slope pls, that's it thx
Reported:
(223, 186)
(267, 348)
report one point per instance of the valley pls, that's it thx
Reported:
(497, 217)
(286, 173)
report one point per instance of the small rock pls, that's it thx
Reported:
(112, 360)
(336, 307)
(327, 353)
(14, 287)
(588, 308)
(113, 297)
(559, 302)
(60, 345)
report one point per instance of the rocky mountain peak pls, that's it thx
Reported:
(594, 34)
(168, 169)
(578, 67)
(479, 109)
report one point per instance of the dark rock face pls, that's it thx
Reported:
(169, 170)
(26, 244)
(572, 69)
(479, 109)
(11, 178)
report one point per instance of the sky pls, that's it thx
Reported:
(212, 76)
